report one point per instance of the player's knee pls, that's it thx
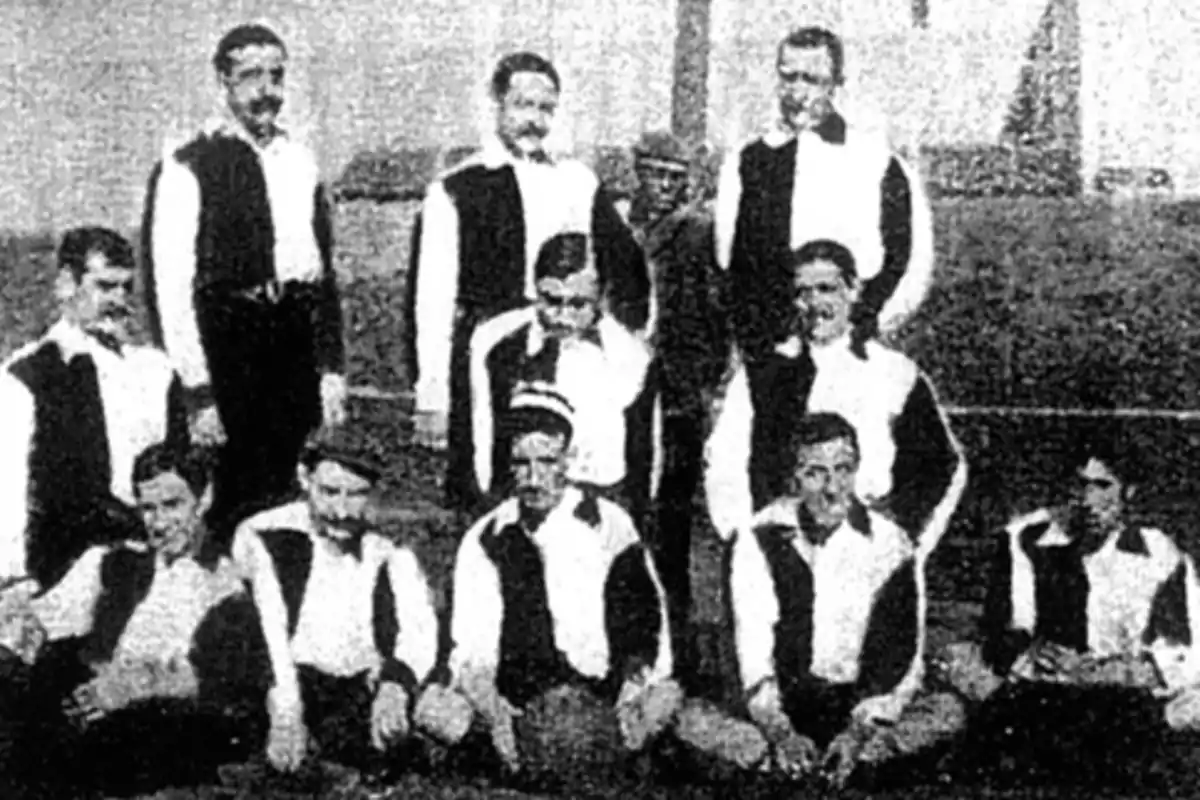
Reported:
(705, 727)
(1183, 711)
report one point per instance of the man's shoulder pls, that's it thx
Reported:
(291, 518)
(896, 364)
(31, 358)
(488, 334)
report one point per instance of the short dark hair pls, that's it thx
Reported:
(820, 427)
(562, 255)
(243, 36)
(1113, 444)
(811, 36)
(523, 61)
(351, 445)
(826, 250)
(193, 464)
(78, 244)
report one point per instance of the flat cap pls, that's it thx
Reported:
(665, 148)
(349, 445)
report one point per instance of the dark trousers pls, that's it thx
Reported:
(671, 537)
(265, 380)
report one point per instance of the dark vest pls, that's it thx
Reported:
(71, 506)
(760, 281)
(779, 390)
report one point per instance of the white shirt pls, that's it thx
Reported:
(555, 198)
(848, 569)
(334, 629)
(838, 197)
(600, 381)
(871, 394)
(1123, 587)
(160, 632)
(134, 390)
(576, 558)
(291, 175)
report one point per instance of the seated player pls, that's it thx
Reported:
(553, 590)
(912, 466)
(829, 608)
(568, 340)
(152, 642)
(347, 614)
(1083, 605)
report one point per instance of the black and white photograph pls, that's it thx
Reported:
(610, 399)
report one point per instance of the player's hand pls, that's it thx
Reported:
(430, 429)
(287, 740)
(21, 632)
(883, 709)
(841, 757)
(98, 698)
(644, 710)
(389, 715)
(206, 429)
(334, 395)
(1052, 661)
(504, 739)
(796, 756)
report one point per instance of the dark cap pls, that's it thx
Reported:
(348, 445)
(663, 149)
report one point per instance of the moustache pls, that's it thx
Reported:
(267, 104)
(535, 131)
(117, 312)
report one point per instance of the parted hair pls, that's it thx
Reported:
(820, 427)
(813, 36)
(247, 35)
(193, 464)
(826, 250)
(523, 61)
(79, 243)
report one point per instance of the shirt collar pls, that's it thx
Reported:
(494, 154)
(73, 341)
(1128, 539)
(790, 517)
(832, 130)
(509, 512)
(538, 336)
(793, 346)
(226, 125)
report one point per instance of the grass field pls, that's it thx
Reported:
(1038, 302)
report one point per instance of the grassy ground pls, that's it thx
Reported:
(1038, 303)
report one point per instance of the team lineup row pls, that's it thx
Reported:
(586, 374)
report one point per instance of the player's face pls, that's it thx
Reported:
(823, 301)
(171, 512)
(525, 112)
(568, 306)
(662, 186)
(539, 470)
(254, 87)
(825, 481)
(1099, 497)
(338, 498)
(99, 302)
(806, 85)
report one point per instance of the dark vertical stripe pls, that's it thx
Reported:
(793, 582)
(632, 615)
(1169, 613)
(292, 556)
(491, 280)
(620, 264)
(504, 366)
(780, 387)
(385, 627)
(1061, 589)
(925, 459)
(70, 448)
(149, 285)
(327, 324)
(178, 435)
(235, 242)
(760, 289)
(409, 320)
(895, 230)
(125, 579)
(890, 644)
(1001, 643)
(530, 661)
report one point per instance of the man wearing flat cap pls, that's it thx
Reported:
(691, 342)
(346, 613)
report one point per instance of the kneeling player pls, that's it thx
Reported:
(347, 614)
(555, 599)
(828, 602)
(157, 639)
(1088, 614)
